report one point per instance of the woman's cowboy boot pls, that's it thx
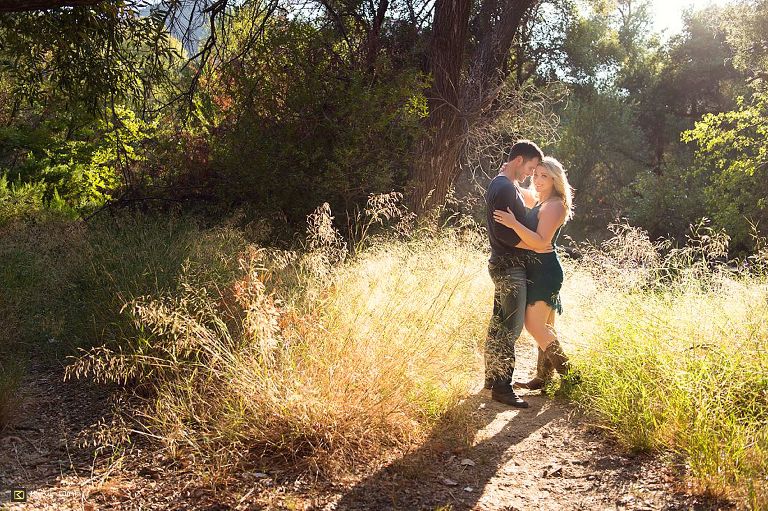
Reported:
(544, 373)
(554, 353)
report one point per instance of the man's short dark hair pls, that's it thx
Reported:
(525, 148)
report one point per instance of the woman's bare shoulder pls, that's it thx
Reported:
(553, 208)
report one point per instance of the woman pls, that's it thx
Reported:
(539, 230)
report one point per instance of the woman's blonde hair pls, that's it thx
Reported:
(562, 186)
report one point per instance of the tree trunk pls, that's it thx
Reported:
(373, 43)
(441, 147)
(457, 102)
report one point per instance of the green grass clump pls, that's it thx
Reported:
(65, 284)
(678, 364)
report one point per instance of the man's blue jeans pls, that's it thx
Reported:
(506, 323)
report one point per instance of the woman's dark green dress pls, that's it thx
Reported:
(544, 272)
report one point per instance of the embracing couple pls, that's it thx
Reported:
(523, 226)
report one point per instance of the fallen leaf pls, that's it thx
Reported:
(553, 471)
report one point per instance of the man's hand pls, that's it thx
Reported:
(505, 218)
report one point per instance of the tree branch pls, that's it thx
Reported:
(41, 5)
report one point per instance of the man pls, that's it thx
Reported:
(507, 269)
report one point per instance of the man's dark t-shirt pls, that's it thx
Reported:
(503, 194)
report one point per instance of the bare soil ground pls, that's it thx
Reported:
(546, 457)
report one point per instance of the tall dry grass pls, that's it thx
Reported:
(306, 357)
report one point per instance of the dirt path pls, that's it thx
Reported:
(39, 452)
(546, 457)
(541, 458)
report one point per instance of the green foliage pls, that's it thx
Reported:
(592, 49)
(28, 200)
(673, 86)
(88, 58)
(76, 173)
(320, 109)
(598, 145)
(746, 26)
(732, 154)
(665, 204)
(76, 86)
(300, 123)
(632, 96)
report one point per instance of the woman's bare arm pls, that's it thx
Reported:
(523, 246)
(551, 217)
